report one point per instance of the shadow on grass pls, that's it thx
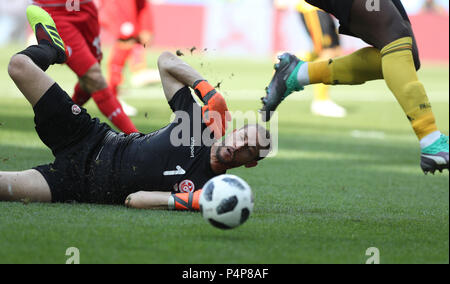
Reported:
(15, 123)
(15, 158)
(336, 126)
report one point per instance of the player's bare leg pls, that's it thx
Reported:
(28, 185)
(29, 78)
(93, 80)
(27, 68)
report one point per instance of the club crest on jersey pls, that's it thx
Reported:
(186, 186)
(76, 110)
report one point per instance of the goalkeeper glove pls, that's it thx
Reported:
(215, 111)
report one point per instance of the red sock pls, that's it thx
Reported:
(118, 57)
(80, 97)
(112, 109)
(139, 60)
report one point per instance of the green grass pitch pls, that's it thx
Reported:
(335, 188)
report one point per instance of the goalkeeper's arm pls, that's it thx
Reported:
(164, 200)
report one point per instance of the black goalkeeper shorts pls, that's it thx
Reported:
(341, 9)
(73, 137)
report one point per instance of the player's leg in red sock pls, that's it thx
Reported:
(119, 55)
(111, 108)
(80, 96)
(96, 85)
(84, 59)
(138, 60)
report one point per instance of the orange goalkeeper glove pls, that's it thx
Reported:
(215, 111)
(185, 201)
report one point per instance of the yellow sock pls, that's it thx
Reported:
(353, 69)
(400, 75)
(321, 92)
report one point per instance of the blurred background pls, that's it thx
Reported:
(233, 43)
(245, 27)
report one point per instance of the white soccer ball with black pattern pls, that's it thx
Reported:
(226, 201)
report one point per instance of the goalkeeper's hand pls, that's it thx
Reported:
(215, 111)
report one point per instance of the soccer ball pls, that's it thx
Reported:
(226, 201)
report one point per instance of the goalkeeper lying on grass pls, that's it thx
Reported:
(95, 164)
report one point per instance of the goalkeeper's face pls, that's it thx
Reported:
(244, 147)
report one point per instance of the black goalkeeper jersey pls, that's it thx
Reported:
(174, 158)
